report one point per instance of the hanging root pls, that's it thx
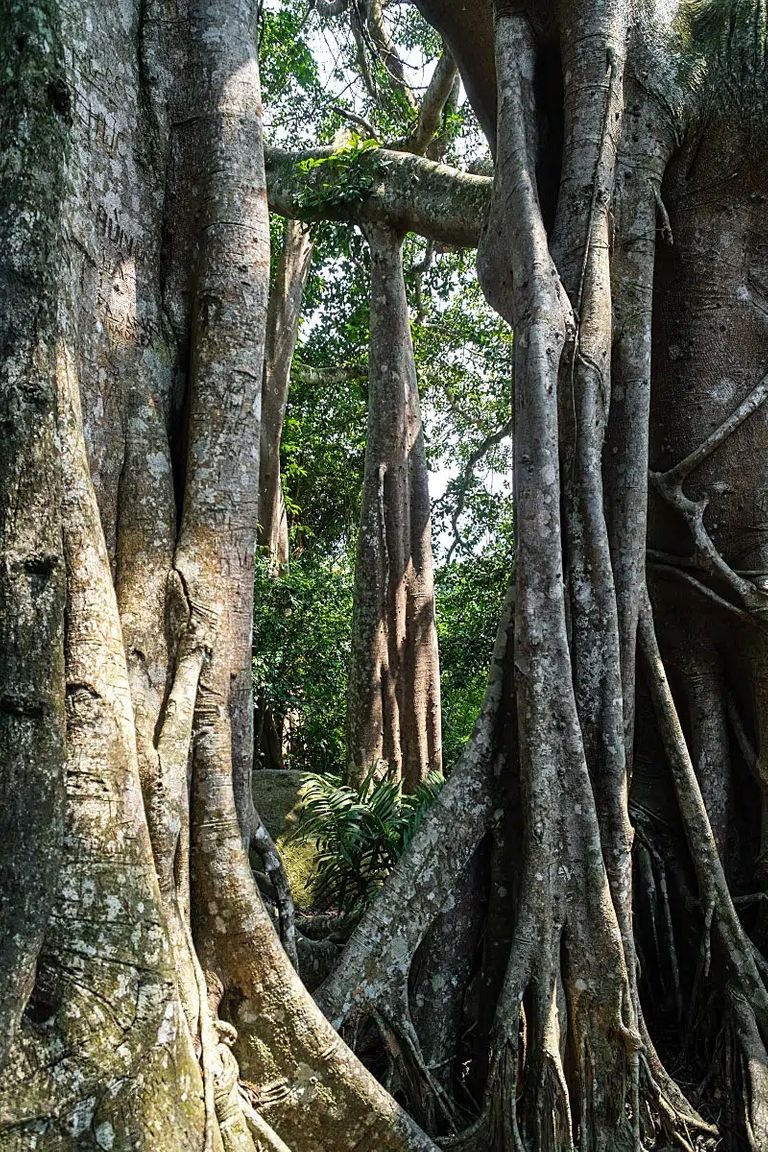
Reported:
(746, 990)
(670, 485)
(654, 877)
(408, 1068)
(275, 869)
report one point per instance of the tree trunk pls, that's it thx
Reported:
(135, 268)
(570, 1060)
(33, 114)
(394, 688)
(146, 1000)
(282, 332)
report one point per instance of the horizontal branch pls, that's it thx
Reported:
(411, 194)
(323, 377)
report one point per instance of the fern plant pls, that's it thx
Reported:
(360, 834)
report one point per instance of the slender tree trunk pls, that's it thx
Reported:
(394, 692)
(282, 331)
(33, 116)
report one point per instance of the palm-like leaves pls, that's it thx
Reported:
(360, 834)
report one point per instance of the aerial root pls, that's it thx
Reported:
(713, 886)
(746, 992)
(670, 485)
(275, 869)
(654, 876)
(407, 1062)
(702, 970)
(679, 1121)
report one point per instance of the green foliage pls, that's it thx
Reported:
(463, 355)
(295, 100)
(725, 52)
(469, 595)
(301, 643)
(360, 834)
(343, 179)
(323, 455)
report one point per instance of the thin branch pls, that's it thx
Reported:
(356, 25)
(666, 227)
(417, 271)
(433, 102)
(705, 590)
(670, 485)
(682, 471)
(475, 458)
(387, 51)
(322, 377)
(353, 118)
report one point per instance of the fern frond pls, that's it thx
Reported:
(360, 833)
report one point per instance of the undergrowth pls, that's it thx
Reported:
(360, 834)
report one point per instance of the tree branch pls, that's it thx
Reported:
(387, 51)
(353, 118)
(433, 102)
(411, 195)
(750, 404)
(670, 485)
(479, 452)
(323, 377)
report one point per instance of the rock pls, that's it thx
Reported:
(277, 796)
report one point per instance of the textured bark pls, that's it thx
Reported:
(146, 1000)
(104, 1056)
(282, 332)
(150, 323)
(393, 718)
(396, 924)
(569, 1061)
(33, 110)
(412, 195)
(441, 92)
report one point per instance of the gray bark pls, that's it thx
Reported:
(282, 333)
(393, 717)
(134, 218)
(411, 195)
(33, 113)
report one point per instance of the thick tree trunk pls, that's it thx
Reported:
(134, 219)
(282, 332)
(394, 683)
(145, 999)
(570, 1061)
